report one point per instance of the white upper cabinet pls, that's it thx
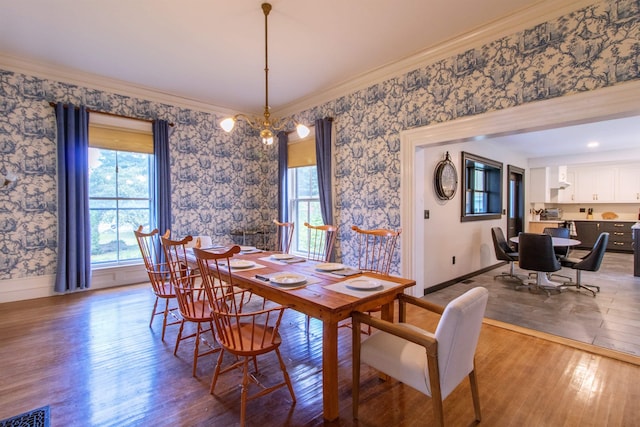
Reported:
(539, 191)
(568, 194)
(595, 184)
(628, 184)
(585, 184)
(547, 183)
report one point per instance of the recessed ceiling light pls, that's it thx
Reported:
(593, 144)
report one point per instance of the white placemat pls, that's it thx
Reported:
(342, 287)
(352, 272)
(295, 260)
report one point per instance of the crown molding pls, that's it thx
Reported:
(95, 81)
(527, 17)
(541, 11)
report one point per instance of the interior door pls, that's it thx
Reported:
(515, 201)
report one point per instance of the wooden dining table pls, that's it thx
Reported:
(316, 300)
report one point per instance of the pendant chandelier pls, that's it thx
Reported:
(267, 126)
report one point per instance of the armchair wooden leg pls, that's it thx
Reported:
(475, 395)
(355, 381)
(436, 393)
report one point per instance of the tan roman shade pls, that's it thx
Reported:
(302, 153)
(117, 138)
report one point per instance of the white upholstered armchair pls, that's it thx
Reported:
(432, 363)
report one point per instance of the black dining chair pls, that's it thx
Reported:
(505, 252)
(561, 251)
(537, 254)
(590, 262)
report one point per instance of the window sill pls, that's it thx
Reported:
(480, 217)
(106, 276)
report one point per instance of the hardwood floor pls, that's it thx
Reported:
(611, 320)
(95, 361)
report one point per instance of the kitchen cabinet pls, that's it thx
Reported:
(588, 232)
(539, 187)
(628, 184)
(636, 254)
(567, 194)
(620, 235)
(595, 185)
(546, 183)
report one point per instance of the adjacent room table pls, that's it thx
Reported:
(324, 296)
(557, 242)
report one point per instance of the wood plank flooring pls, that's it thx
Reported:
(93, 358)
(611, 320)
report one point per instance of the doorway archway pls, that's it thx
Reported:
(602, 104)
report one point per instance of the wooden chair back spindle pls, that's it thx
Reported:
(321, 239)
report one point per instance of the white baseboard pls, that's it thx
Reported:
(42, 286)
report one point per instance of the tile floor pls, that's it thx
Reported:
(610, 320)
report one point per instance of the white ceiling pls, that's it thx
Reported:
(611, 135)
(212, 51)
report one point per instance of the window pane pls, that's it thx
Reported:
(104, 246)
(314, 182)
(102, 204)
(315, 215)
(134, 204)
(129, 220)
(302, 213)
(304, 204)
(307, 182)
(133, 174)
(102, 173)
(119, 202)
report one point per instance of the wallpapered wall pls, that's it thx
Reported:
(220, 180)
(591, 48)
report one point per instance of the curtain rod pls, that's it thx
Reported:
(53, 104)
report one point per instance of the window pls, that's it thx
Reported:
(304, 204)
(304, 196)
(483, 188)
(120, 196)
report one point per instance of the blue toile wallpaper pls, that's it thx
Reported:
(219, 180)
(588, 49)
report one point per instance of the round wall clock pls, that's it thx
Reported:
(445, 179)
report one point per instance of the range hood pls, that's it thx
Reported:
(558, 177)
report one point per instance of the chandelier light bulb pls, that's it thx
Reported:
(228, 124)
(267, 136)
(302, 130)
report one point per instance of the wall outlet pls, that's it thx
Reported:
(426, 214)
(582, 210)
